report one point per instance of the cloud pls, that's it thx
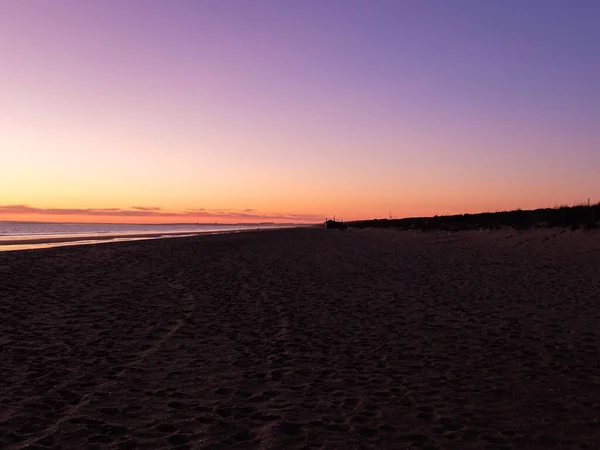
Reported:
(25, 209)
(147, 208)
(149, 212)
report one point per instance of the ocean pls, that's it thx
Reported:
(32, 235)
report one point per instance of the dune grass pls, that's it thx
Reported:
(563, 216)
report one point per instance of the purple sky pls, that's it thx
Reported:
(300, 107)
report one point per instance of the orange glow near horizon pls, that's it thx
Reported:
(140, 220)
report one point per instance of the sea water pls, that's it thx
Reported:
(30, 235)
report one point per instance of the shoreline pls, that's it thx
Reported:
(35, 243)
(75, 238)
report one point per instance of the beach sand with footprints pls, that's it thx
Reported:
(304, 339)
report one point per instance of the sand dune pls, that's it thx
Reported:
(304, 339)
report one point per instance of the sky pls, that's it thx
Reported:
(293, 111)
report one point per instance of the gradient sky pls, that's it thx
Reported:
(228, 110)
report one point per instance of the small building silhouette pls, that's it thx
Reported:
(335, 225)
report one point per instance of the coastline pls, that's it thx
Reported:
(304, 338)
(15, 243)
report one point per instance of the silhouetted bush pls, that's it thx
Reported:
(578, 216)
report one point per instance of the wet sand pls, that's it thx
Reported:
(58, 239)
(34, 242)
(304, 338)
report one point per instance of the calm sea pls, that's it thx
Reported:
(15, 235)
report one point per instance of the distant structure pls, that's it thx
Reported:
(335, 225)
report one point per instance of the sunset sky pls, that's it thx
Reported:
(221, 110)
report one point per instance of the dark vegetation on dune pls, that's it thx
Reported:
(574, 217)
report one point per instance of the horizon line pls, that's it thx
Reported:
(157, 223)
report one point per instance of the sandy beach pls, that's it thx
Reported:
(304, 339)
